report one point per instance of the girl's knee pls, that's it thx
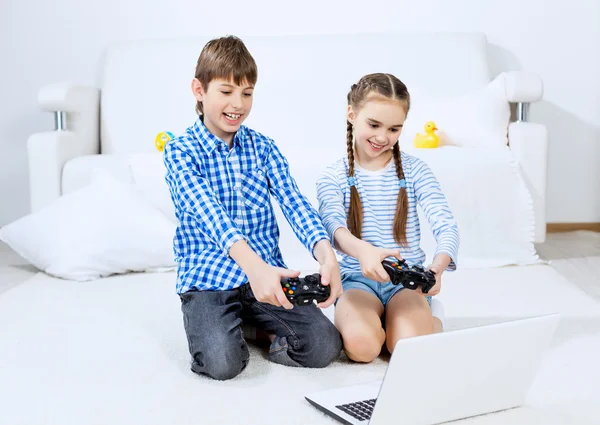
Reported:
(363, 346)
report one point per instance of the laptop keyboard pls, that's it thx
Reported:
(360, 410)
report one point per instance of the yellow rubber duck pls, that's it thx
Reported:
(161, 140)
(429, 139)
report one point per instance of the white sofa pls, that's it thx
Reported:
(299, 102)
(137, 350)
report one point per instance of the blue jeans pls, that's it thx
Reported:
(383, 291)
(304, 336)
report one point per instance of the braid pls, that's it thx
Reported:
(355, 213)
(398, 161)
(401, 216)
(350, 149)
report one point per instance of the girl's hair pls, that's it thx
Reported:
(225, 58)
(390, 87)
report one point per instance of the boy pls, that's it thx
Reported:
(220, 175)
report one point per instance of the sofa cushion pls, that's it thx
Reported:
(483, 186)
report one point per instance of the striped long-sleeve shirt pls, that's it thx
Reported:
(222, 195)
(378, 192)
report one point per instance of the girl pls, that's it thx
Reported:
(368, 203)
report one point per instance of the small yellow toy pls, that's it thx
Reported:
(429, 139)
(161, 140)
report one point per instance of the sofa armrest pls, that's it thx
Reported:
(529, 143)
(523, 87)
(77, 110)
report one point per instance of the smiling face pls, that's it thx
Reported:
(377, 125)
(225, 106)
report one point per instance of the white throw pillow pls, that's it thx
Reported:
(102, 229)
(148, 172)
(477, 119)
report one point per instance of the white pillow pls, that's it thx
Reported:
(477, 119)
(102, 229)
(148, 172)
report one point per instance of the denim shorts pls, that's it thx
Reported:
(383, 291)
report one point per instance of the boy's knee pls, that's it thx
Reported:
(221, 365)
(223, 358)
(222, 368)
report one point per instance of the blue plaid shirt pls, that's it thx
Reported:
(221, 196)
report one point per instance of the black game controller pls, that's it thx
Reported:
(303, 290)
(410, 277)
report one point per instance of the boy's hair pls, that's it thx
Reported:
(390, 87)
(225, 58)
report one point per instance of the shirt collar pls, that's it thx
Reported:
(210, 142)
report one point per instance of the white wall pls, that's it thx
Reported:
(43, 42)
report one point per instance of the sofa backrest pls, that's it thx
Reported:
(300, 97)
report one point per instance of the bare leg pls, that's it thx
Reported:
(407, 315)
(358, 318)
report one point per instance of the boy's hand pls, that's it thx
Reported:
(370, 259)
(330, 275)
(265, 281)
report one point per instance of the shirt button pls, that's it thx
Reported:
(237, 187)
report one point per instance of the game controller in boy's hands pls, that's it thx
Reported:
(303, 290)
(410, 277)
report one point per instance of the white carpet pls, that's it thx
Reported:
(114, 351)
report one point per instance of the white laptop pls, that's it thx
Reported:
(448, 376)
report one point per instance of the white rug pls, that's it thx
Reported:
(114, 352)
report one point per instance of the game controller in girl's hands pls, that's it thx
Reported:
(410, 277)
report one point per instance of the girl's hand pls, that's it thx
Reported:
(370, 260)
(438, 280)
